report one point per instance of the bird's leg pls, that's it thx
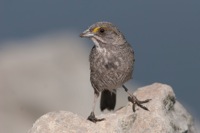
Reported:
(135, 101)
(92, 117)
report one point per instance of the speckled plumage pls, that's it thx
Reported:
(111, 65)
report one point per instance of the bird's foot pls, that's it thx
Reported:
(92, 118)
(135, 102)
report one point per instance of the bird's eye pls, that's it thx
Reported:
(101, 30)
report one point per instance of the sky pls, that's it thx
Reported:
(165, 35)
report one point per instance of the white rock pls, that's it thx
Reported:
(165, 115)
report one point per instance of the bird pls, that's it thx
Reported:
(111, 65)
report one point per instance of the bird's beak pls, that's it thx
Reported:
(86, 33)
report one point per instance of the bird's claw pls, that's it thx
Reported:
(92, 118)
(135, 102)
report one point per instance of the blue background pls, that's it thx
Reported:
(165, 34)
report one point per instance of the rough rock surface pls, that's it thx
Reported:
(166, 115)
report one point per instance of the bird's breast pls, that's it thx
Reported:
(109, 69)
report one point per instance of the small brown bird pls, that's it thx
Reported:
(111, 65)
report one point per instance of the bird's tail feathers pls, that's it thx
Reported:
(108, 100)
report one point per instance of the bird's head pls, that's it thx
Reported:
(104, 32)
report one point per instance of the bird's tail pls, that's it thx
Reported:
(108, 100)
